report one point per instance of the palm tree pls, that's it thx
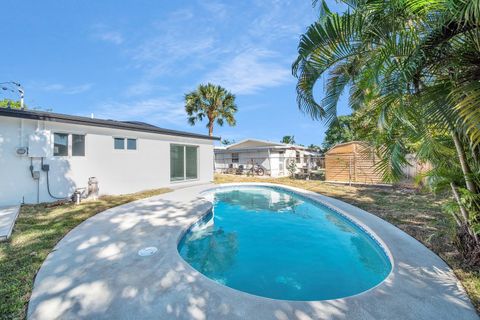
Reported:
(212, 102)
(413, 67)
(288, 140)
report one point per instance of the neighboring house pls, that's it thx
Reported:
(273, 157)
(123, 156)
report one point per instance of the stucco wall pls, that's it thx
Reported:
(118, 171)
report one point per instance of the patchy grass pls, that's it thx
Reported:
(36, 232)
(417, 213)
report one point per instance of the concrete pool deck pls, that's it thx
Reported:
(95, 272)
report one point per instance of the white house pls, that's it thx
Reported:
(273, 157)
(44, 156)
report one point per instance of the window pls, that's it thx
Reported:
(78, 145)
(60, 144)
(183, 162)
(119, 143)
(235, 157)
(177, 162)
(191, 162)
(132, 144)
(297, 157)
(62, 141)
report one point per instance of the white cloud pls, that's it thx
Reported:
(144, 88)
(216, 8)
(63, 89)
(111, 36)
(105, 33)
(250, 71)
(280, 19)
(171, 49)
(209, 41)
(161, 111)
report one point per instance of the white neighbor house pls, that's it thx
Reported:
(273, 157)
(124, 157)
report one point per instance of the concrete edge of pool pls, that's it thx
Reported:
(95, 272)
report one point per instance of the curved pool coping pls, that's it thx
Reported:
(94, 271)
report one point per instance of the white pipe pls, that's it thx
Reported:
(21, 133)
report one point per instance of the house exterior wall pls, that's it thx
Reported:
(223, 159)
(118, 171)
(273, 161)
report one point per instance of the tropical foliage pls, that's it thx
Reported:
(7, 103)
(341, 130)
(412, 71)
(212, 102)
(314, 147)
(288, 139)
(227, 142)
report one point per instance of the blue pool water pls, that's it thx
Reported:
(277, 244)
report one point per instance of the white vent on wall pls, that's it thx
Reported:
(39, 144)
(21, 151)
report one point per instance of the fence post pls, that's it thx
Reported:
(350, 171)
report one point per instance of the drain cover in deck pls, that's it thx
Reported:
(148, 251)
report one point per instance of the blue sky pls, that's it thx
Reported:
(135, 60)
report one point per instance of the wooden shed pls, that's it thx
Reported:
(352, 162)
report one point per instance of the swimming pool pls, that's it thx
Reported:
(275, 243)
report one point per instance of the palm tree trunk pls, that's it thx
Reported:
(463, 211)
(210, 127)
(467, 173)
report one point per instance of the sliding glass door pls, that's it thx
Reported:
(191, 162)
(183, 162)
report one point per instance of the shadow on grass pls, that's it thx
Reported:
(36, 232)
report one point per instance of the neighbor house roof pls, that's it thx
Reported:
(260, 144)
(114, 124)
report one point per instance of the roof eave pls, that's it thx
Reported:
(57, 117)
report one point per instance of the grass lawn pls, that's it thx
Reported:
(36, 232)
(417, 213)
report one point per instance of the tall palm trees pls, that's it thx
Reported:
(212, 102)
(413, 66)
